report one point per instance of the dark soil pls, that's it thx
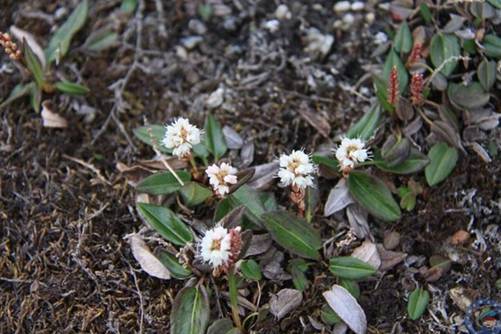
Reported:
(64, 266)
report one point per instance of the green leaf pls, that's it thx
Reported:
(394, 60)
(269, 201)
(71, 88)
(128, 6)
(251, 270)
(442, 48)
(175, 268)
(331, 163)
(486, 73)
(351, 286)
(382, 93)
(367, 125)
(442, 162)
(471, 96)
(19, 91)
(194, 193)
(348, 267)
(414, 163)
(166, 223)
(60, 41)
(157, 135)
(418, 301)
(162, 183)
(249, 198)
(190, 312)
(373, 195)
(492, 46)
(403, 39)
(35, 97)
(311, 199)
(214, 138)
(407, 198)
(293, 234)
(101, 39)
(297, 268)
(328, 316)
(495, 3)
(425, 12)
(220, 326)
(33, 65)
(222, 209)
(200, 151)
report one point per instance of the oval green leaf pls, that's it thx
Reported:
(251, 270)
(175, 268)
(214, 138)
(367, 125)
(351, 286)
(293, 234)
(418, 300)
(403, 39)
(486, 73)
(445, 47)
(60, 41)
(166, 223)
(414, 163)
(330, 163)
(443, 159)
(349, 267)
(250, 199)
(152, 135)
(373, 195)
(33, 64)
(162, 183)
(471, 96)
(71, 88)
(190, 312)
(194, 193)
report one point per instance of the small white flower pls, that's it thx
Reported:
(296, 169)
(221, 177)
(216, 246)
(351, 152)
(180, 136)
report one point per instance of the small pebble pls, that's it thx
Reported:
(460, 237)
(272, 25)
(357, 5)
(380, 38)
(215, 99)
(191, 42)
(370, 18)
(348, 19)
(197, 26)
(342, 6)
(283, 13)
(391, 240)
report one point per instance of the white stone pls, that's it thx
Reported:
(283, 13)
(342, 6)
(272, 25)
(357, 5)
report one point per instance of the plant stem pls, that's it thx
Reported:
(194, 166)
(232, 286)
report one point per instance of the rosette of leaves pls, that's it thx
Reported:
(40, 64)
(181, 229)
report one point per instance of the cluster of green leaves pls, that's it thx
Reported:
(58, 47)
(441, 70)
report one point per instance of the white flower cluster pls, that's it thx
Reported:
(296, 169)
(215, 246)
(350, 153)
(221, 177)
(220, 246)
(180, 136)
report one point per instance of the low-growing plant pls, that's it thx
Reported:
(38, 63)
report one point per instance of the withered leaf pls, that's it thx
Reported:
(285, 301)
